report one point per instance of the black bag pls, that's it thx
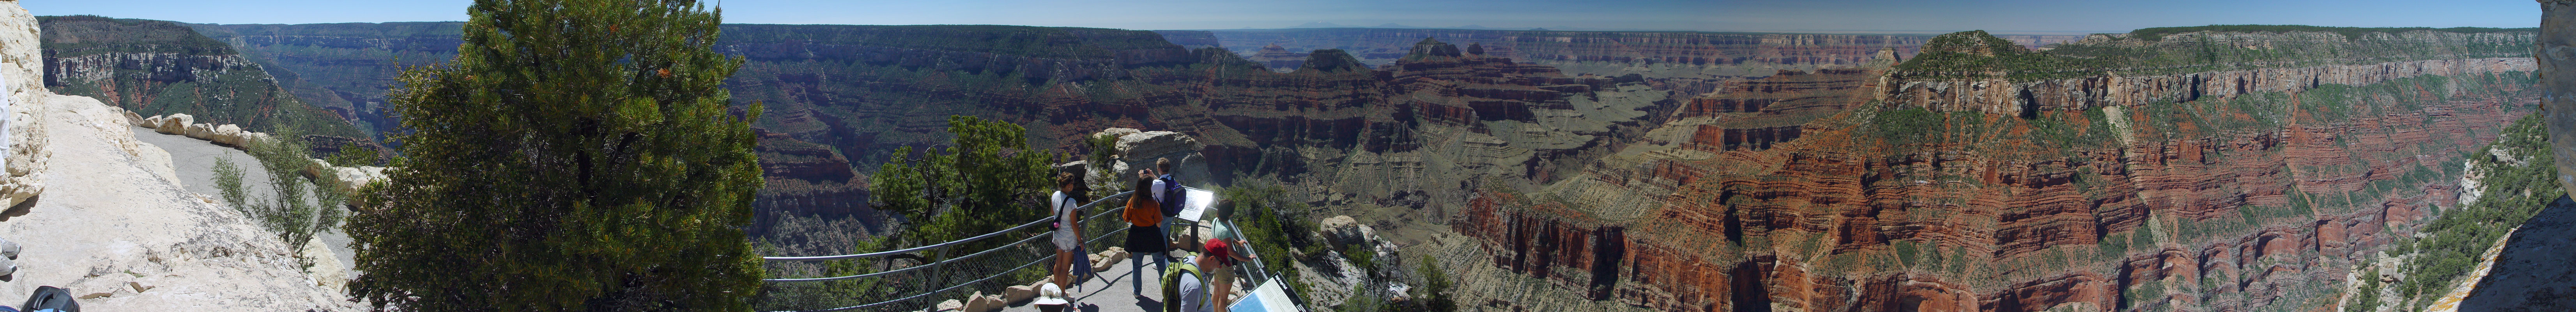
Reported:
(48, 297)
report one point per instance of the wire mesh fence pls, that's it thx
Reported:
(916, 279)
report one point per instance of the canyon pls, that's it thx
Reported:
(1674, 171)
(159, 67)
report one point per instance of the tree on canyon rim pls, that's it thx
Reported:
(575, 155)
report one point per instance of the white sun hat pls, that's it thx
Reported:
(1050, 294)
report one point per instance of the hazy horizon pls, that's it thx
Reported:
(1862, 16)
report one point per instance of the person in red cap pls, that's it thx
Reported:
(1219, 263)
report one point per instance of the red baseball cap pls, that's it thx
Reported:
(1219, 249)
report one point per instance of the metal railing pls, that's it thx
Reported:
(934, 270)
(1256, 271)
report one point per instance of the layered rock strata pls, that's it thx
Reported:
(2078, 94)
(2224, 201)
(159, 67)
(1661, 54)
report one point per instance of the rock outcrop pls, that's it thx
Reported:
(115, 225)
(22, 133)
(160, 67)
(2556, 58)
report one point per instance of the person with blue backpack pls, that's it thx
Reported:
(1168, 193)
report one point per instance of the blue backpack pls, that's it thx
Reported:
(1172, 196)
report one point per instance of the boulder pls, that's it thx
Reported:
(1346, 231)
(9, 249)
(327, 270)
(1105, 259)
(227, 134)
(349, 179)
(1138, 149)
(1017, 294)
(150, 122)
(981, 302)
(248, 137)
(201, 131)
(175, 124)
(950, 305)
(1341, 230)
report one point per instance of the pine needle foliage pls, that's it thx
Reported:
(987, 180)
(575, 155)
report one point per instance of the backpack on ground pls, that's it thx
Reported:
(48, 297)
(1172, 193)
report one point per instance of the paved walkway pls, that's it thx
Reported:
(195, 161)
(1111, 293)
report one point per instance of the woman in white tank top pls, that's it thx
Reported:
(1068, 229)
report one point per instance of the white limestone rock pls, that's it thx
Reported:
(201, 131)
(227, 134)
(327, 271)
(22, 135)
(175, 124)
(1137, 150)
(131, 118)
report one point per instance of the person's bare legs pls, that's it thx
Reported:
(1063, 268)
(1221, 291)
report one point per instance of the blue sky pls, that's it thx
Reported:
(2028, 16)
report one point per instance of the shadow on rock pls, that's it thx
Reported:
(2533, 273)
(20, 209)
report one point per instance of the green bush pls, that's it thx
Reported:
(575, 155)
(1907, 126)
(2453, 243)
(228, 181)
(353, 155)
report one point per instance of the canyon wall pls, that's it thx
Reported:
(159, 67)
(2158, 191)
(1698, 171)
(1680, 53)
(345, 67)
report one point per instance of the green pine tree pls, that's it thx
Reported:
(576, 155)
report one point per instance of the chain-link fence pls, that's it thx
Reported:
(915, 279)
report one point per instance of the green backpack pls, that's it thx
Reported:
(1172, 281)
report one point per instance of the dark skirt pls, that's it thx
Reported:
(1146, 239)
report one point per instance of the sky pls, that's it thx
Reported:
(2006, 16)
